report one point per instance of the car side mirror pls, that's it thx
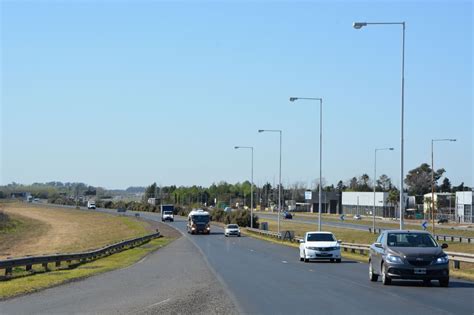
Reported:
(301, 241)
(339, 241)
(378, 245)
(444, 245)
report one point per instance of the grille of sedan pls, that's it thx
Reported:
(420, 263)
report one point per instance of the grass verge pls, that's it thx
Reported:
(41, 280)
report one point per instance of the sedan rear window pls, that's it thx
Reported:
(320, 237)
(411, 240)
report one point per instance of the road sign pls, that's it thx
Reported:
(424, 224)
(308, 195)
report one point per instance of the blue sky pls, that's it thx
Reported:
(122, 93)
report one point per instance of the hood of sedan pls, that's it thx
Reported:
(321, 244)
(428, 252)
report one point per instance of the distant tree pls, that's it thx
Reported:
(150, 192)
(446, 185)
(340, 186)
(353, 185)
(363, 183)
(418, 179)
(393, 196)
(384, 183)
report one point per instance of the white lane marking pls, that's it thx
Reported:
(284, 261)
(164, 301)
(141, 260)
(252, 250)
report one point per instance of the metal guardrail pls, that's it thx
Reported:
(28, 261)
(455, 257)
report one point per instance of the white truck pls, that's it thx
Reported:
(91, 204)
(167, 213)
(199, 221)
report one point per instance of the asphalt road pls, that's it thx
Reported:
(260, 277)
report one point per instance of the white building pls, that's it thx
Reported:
(465, 206)
(358, 202)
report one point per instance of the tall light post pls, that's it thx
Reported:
(293, 99)
(251, 187)
(375, 182)
(359, 25)
(432, 178)
(279, 187)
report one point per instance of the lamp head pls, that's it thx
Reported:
(261, 130)
(359, 25)
(453, 140)
(236, 147)
(292, 99)
(391, 149)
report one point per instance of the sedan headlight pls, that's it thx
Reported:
(442, 260)
(394, 259)
(312, 248)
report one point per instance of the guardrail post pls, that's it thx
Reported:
(58, 263)
(361, 251)
(45, 266)
(456, 264)
(353, 250)
(8, 271)
(28, 267)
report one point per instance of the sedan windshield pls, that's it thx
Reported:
(232, 226)
(410, 240)
(320, 237)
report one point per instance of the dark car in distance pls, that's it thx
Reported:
(286, 215)
(411, 255)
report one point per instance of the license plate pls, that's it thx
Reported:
(419, 271)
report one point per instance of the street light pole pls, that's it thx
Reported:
(375, 182)
(432, 179)
(279, 187)
(292, 99)
(359, 25)
(251, 187)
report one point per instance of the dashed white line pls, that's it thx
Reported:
(164, 301)
(284, 261)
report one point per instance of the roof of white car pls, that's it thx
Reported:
(318, 232)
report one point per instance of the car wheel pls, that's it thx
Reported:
(301, 258)
(338, 260)
(372, 276)
(304, 258)
(426, 282)
(332, 260)
(226, 235)
(444, 282)
(386, 280)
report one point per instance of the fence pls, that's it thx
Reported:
(28, 261)
(363, 249)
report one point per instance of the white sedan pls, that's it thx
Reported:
(232, 229)
(320, 245)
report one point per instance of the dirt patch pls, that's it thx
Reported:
(58, 230)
